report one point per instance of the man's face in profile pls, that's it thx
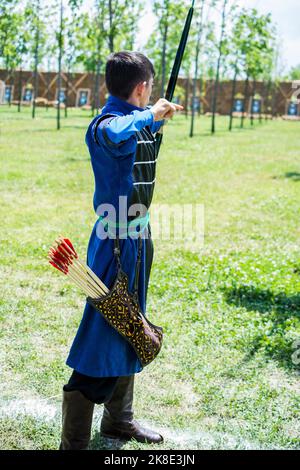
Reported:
(145, 98)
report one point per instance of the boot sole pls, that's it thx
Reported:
(129, 438)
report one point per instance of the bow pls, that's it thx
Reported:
(177, 63)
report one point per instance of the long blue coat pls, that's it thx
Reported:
(98, 350)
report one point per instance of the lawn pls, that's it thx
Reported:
(227, 376)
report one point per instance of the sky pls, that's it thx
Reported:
(285, 14)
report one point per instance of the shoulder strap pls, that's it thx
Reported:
(117, 253)
(137, 266)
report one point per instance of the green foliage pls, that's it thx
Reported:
(36, 14)
(164, 40)
(13, 35)
(295, 73)
(89, 36)
(253, 41)
(109, 26)
(72, 25)
(91, 40)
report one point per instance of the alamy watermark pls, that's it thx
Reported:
(179, 222)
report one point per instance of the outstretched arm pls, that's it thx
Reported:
(115, 131)
(121, 128)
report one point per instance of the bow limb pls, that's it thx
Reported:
(177, 64)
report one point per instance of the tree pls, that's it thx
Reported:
(255, 35)
(203, 27)
(72, 24)
(236, 59)
(22, 50)
(163, 42)
(267, 74)
(50, 53)
(109, 25)
(91, 37)
(33, 14)
(60, 40)
(200, 26)
(220, 54)
(10, 23)
(120, 22)
(130, 23)
(208, 59)
(36, 12)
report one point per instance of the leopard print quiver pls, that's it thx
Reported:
(121, 310)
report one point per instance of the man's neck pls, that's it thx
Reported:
(135, 101)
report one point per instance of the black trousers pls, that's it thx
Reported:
(100, 389)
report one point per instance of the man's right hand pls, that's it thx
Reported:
(163, 109)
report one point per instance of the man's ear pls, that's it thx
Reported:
(140, 88)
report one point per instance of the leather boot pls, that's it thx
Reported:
(117, 421)
(77, 416)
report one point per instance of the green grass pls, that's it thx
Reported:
(230, 309)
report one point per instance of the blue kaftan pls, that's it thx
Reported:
(129, 131)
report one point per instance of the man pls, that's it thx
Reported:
(121, 142)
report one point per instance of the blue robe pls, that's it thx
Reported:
(98, 350)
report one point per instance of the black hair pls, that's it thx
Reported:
(124, 70)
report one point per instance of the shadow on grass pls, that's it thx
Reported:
(279, 311)
(72, 159)
(224, 131)
(54, 129)
(102, 443)
(46, 129)
(293, 175)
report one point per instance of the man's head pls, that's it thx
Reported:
(129, 76)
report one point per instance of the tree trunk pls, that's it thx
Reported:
(232, 96)
(12, 88)
(47, 84)
(186, 98)
(262, 101)
(213, 125)
(245, 100)
(193, 102)
(163, 61)
(200, 97)
(253, 95)
(67, 94)
(36, 61)
(267, 100)
(211, 97)
(196, 68)
(267, 103)
(273, 100)
(110, 34)
(20, 89)
(97, 87)
(59, 64)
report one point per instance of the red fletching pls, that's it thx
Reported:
(63, 246)
(58, 257)
(59, 267)
(62, 256)
(68, 242)
(68, 257)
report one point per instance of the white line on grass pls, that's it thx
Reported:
(41, 410)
